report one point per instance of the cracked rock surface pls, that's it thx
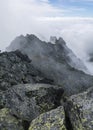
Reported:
(84, 103)
(27, 101)
(16, 68)
(9, 122)
(52, 120)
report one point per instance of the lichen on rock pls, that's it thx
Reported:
(84, 106)
(9, 122)
(27, 101)
(52, 120)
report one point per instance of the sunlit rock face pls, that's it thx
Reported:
(56, 61)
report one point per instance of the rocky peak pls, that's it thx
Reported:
(30, 43)
(32, 37)
(53, 39)
(56, 61)
(40, 90)
(90, 57)
(60, 41)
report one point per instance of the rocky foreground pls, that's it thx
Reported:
(43, 88)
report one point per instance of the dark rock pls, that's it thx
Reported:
(16, 68)
(30, 100)
(56, 61)
(79, 109)
(73, 116)
(90, 59)
(9, 122)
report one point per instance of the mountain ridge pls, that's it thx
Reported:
(40, 90)
(54, 62)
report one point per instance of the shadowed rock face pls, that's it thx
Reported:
(55, 61)
(16, 68)
(90, 57)
(84, 103)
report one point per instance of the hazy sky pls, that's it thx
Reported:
(71, 19)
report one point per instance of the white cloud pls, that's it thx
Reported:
(20, 16)
(41, 18)
(76, 31)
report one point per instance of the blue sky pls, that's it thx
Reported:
(83, 8)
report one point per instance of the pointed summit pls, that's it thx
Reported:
(56, 61)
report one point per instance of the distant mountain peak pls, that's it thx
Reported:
(55, 61)
(57, 46)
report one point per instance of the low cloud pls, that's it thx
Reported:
(77, 32)
(20, 17)
(43, 19)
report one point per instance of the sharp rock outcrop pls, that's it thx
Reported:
(16, 68)
(27, 101)
(55, 61)
(41, 89)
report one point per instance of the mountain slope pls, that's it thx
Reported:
(55, 62)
